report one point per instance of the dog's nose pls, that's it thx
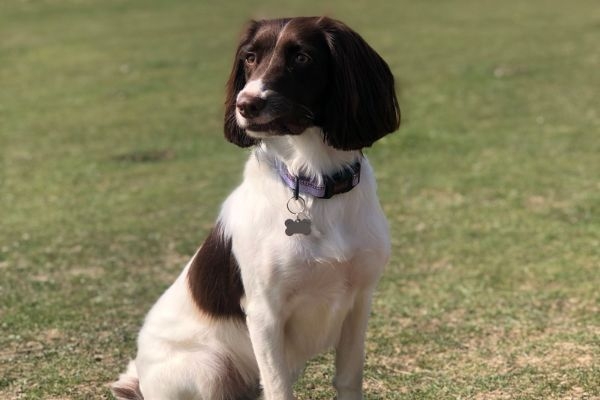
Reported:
(250, 106)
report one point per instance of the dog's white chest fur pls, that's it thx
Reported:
(315, 278)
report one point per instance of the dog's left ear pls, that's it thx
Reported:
(235, 84)
(362, 106)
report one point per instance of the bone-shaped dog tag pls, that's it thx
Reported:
(298, 225)
(302, 223)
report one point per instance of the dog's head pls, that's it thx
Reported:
(292, 74)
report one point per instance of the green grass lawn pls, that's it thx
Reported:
(113, 168)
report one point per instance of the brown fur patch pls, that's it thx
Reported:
(214, 278)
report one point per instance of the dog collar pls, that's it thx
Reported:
(340, 182)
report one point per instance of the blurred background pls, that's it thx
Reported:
(113, 168)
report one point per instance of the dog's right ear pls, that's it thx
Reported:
(236, 82)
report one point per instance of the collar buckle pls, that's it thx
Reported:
(342, 182)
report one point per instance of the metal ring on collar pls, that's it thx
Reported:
(297, 202)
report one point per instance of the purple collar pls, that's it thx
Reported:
(340, 182)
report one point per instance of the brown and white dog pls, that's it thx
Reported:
(298, 248)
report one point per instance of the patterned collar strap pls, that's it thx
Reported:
(340, 182)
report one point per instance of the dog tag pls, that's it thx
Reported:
(300, 225)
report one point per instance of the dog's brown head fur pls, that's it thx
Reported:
(317, 72)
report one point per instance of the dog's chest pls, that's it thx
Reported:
(345, 247)
(315, 300)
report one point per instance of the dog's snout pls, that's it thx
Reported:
(250, 106)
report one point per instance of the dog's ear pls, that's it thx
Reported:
(362, 105)
(236, 82)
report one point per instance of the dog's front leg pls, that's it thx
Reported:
(350, 350)
(266, 330)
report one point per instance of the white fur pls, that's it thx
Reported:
(303, 294)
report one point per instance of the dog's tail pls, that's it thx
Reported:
(128, 385)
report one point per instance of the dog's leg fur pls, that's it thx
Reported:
(267, 335)
(350, 351)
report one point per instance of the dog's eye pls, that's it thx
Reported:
(250, 58)
(301, 58)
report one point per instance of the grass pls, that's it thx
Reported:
(110, 134)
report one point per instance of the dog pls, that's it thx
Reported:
(291, 265)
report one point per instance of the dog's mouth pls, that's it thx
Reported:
(277, 116)
(278, 125)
